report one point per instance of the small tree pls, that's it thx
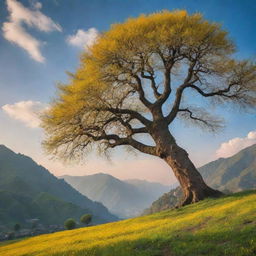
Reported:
(16, 227)
(70, 224)
(138, 78)
(86, 219)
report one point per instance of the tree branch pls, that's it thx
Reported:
(142, 147)
(141, 92)
(152, 84)
(192, 74)
(201, 118)
(151, 72)
(216, 93)
(127, 125)
(114, 140)
(167, 87)
(193, 117)
(132, 113)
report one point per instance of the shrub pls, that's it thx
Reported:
(86, 219)
(70, 224)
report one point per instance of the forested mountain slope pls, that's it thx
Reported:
(28, 190)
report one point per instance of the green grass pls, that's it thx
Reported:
(217, 227)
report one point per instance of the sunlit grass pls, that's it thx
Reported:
(225, 226)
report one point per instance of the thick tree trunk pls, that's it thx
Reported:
(193, 186)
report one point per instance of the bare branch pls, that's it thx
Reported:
(167, 87)
(141, 92)
(221, 92)
(132, 68)
(142, 147)
(173, 113)
(147, 68)
(126, 123)
(201, 118)
(152, 84)
(113, 140)
(178, 96)
(130, 112)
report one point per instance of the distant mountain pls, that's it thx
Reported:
(232, 174)
(123, 198)
(150, 188)
(235, 173)
(28, 191)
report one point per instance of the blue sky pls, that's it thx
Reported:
(26, 79)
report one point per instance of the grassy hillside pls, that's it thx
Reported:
(224, 226)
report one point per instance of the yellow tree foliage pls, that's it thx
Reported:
(135, 70)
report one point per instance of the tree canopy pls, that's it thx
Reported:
(86, 219)
(141, 73)
(70, 223)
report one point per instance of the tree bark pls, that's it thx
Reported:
(193, 186)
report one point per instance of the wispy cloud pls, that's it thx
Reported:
(83, 38)
(27, 112)
(234, 145)
(14, 31)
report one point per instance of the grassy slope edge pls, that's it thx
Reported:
(225, 226)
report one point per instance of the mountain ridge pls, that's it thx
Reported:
(123, 198)
(21, 176)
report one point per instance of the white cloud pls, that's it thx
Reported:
(83, 38)
(37, 5)
(233, 146)
(26, 111)
(14, 32)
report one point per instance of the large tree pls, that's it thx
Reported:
(137, 79)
